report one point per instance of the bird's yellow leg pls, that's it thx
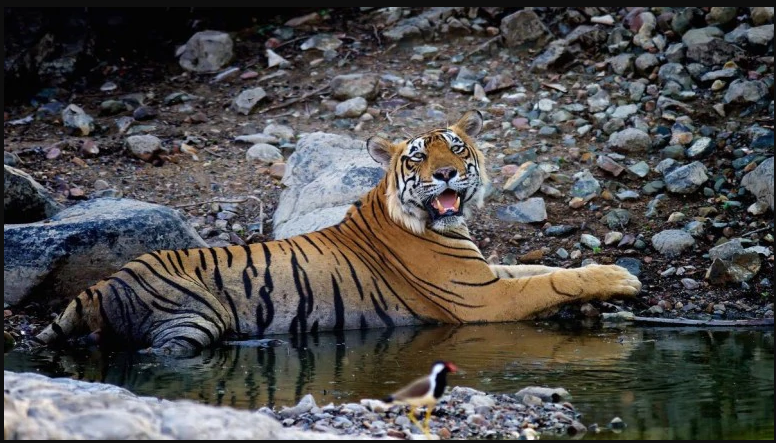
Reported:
(412, 417)
(426, 430)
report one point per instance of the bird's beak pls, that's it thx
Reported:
(451, 367)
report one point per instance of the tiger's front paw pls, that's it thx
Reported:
(608, 281)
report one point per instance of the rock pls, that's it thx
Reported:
(281, 132)
(585, 185)
(465, 80)
(524, 29)
(351, 108)
(555, 55)
(760, 35)
(41, 408)
(686, 179)
(761, 15)
(77, 121)
(257, 138)
(24, 199)
(701, 147)
(744, 91)
(640, 169)
(714, 51)
(760, 182)
(144, 146)
(719, 15)
(322, 42)
(526, 180)
(621, 64)
(85, 243)
(590, 241)
(273, 59)
(264, 152)
(549, 395)
(633, 265)
(344, 87)
(726, 250)
(599, 101)
(324, 176)
(206, 52)
(305, 405)
(559, 230)
(630, 140)
(531, 210)
(672, 242)
(617, 218)
(248, 99)
(607, 164)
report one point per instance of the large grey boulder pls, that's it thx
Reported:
(59, 257)
(324, 176)
(24, 199)
(41, 408)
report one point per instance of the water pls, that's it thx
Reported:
(665, 383)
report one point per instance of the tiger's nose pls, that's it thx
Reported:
(446, 173)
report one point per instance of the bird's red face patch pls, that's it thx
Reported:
(451, 367)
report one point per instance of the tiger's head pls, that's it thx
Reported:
(435, 178)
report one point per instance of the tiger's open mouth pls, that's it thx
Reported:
(446, 204)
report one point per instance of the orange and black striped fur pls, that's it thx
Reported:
(401, 256)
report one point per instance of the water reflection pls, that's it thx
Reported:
(664, 383)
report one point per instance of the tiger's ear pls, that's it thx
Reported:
(380, 149)
(470, 123)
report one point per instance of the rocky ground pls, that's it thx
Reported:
(637, 136)
(37, 407)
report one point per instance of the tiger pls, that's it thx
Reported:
(402, 255)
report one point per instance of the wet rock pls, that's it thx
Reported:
(760, 182)
(672, 242)
(686, 179)
(77, 121)
(24, 199)
(630, 140)
(206, 52)
(524, 29)
(324, 176)
(550, 395)
(264, 152)
(247, 100)
(532, 210)
(84, 243)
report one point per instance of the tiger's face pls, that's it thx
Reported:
(434, 178)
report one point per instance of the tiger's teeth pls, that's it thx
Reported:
(457, 203)
(439, 206)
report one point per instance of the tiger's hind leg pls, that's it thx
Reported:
(519, 271)
(183, 336)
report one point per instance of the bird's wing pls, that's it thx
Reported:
(417, 388)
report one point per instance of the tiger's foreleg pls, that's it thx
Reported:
(518, 271)
(511, 299)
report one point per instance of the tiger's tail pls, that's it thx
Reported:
(78, 317)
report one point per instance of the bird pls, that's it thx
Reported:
(424, 391)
